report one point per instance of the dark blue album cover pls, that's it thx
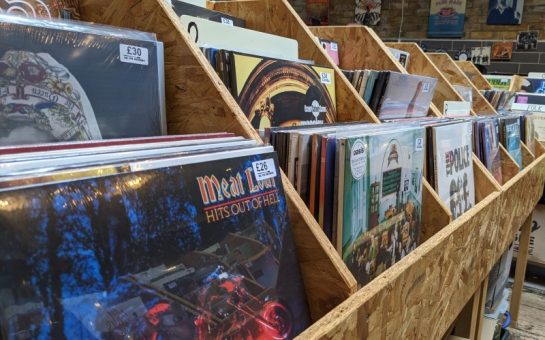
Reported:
(69, 81)
(199, 251)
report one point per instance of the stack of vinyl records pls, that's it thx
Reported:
(393, 95)
(67, 81)
(263, 72)
(182, 237)
(487, 145)
(449, 166)
(363, 182)
(501, 100)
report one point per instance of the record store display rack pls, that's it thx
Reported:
(433, 288)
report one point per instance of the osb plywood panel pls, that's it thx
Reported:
(420, 64)
(197, 101)
(353, 56)
(277, 17)
(473, 73)
(423, 294)
(456, 76)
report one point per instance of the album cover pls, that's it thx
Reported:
(46, 9)
(502, 50)
(69, 82)
(332, 49)
(481, 55)
(502, 12)
(184, 8)
(205, 34)
(534, 86)
(407, 96)
(510, 137)
(401, 56)
(367, 12)
(491, 147)
(394, 177)
(165, 252)
(353, 219)
(274, 92)
(499, 82)
(527, 40)
(535, 127)
(453, 166)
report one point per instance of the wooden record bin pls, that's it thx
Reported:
(434, 283)
(406, 300)
(197, 101)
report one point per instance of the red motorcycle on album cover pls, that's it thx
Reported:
(230, 306)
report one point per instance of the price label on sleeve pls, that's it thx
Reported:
(227, 21)
(133, 54)
(264, 169)
(334, 47)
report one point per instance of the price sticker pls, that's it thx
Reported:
(334, 47)
(133, 54)
(325, 78)
(264, 169)
(227, 21)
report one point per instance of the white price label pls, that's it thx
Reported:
(227, 21)
(325, 78)
(334, 47)
(426, 87)
(419, 144)
(456, 108)
(264, 169)
(133, 54)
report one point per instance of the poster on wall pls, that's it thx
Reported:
(317, 12)
(480, 55)
(504, 12)
(527, 40)
(368, 12)
(502, 50)
(446, 18)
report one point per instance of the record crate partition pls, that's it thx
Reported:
(482, 83)
(432, 315)
(473, 73)
(512, 190)
(197, 101)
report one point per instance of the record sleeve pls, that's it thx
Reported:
(65, 81)
(387, 226)
(453, 168)
(201, 248)
(407, 96)
(185, 8)
(274, 92)
(332, 49)
(211, 34)
(511, 139)
(491, 148)
(45, 9)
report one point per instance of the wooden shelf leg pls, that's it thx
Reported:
(520, 271)
(470, 321)
(480, 310)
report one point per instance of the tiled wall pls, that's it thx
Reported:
(521, 62)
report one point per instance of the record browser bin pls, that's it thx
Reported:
(420, 296)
